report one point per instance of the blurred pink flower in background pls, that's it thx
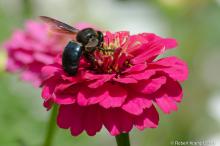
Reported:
(30, 49)
(122, 88)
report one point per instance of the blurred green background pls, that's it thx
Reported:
(194, 23)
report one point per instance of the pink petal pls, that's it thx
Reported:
(80, 118)
(134, 43)
(173, 89)
(87, 96)
(123, 36)
(125, 80)
(46, 92)
(148, 119)
(64, 99)
(17, 41)
(151, 85)
(170, 43)
(48, 104)
(49, 71)
(65, 87)
(93, 120)
(23, 57)
(12, 65)
(151, 36)
(168, 95)
(32, 77)
(92, 76)
(44, 58)
(176, 94)
(117, 121)
(150, 51)
(104, 78)
(166, 104)
(115, 96)
(48, 88)
(121, 60)
(142, 75)
(71, 116)
(174, 67)
(64, 118)
(77, 126)
(137, 104)
(136, 68)
(38, 31)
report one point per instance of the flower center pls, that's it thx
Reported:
(111, 58)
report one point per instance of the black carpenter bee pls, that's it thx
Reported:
(87, 41)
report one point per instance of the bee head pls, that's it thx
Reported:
(88, 36)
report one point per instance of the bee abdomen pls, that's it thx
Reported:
(71, 57)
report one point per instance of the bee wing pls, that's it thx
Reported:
(58, 26)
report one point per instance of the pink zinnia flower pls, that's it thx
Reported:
(32, 48)
(121, 90)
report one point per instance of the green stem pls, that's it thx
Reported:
(51, 127)
(123, 139)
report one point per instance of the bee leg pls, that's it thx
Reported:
(89, 57)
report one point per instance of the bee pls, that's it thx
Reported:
(87, 41)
